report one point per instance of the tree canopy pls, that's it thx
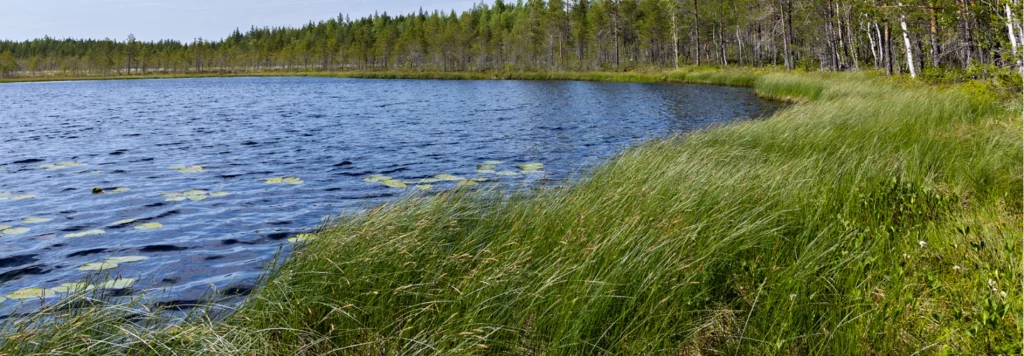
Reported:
(576, 35)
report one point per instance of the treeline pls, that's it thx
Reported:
(901, 37)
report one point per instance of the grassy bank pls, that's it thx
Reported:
(873, 218)
(690, 74)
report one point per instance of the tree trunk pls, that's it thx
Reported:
(934, 34)
(696, 28)
(1009, 29)
(675, 39)
(906, 43)
(888, 50)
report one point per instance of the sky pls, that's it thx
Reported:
(184, 20)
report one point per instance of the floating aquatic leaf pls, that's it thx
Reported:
(275, 180)
(23, 196)
(178, 198)
(5, 195)
(479, 179)
(59, 165)
(448, 177)
(196, 197)
(171, 194)
(424, 187)
(376, 178)
(394, 183)
(194, 192)
(177, 167)
(123, 222)
(485, 171)
(149, 226)
(492, 162)
(485, 167)
(26, 293)
(429, 180)
(120, 190)
(86, 233)
(71, 287)
(301, 238)
(15, 230)
(466, 183)
(192, 169)
(126, 259)
(34, 220)
(292, 180)
(4, 227)
(531, 167)
(119, 283)
(219, 194)
(97, 266)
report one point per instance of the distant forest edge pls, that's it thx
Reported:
(936, 38)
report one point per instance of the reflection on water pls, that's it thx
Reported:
(192, 185)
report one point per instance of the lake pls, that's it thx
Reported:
(204, 181)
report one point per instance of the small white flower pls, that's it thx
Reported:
(792, 296)
(906, 256)
(992, 284)
(922, 243)
(956, 268)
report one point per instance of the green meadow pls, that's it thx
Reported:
(871, 216)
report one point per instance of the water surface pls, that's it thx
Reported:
(330, 133)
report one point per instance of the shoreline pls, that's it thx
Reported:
(846, 212)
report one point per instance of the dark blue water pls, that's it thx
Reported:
(329, 133)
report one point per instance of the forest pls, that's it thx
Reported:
(914, 37)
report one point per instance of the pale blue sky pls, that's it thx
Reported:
(183, 20)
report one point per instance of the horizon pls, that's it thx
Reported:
(156, 20)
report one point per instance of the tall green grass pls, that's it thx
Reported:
(872, 218)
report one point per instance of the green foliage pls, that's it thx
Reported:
(873, 218)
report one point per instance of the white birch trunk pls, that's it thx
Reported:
(906, 42)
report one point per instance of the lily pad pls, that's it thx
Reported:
(190, 169)
(424, 187)
(4, 227)
(126, 259)
(149, 226)
(23, 196)
(60, 165)
(463, 183)
(5, 195)
(124, 222)
(394, 183)
(177, 167)
(219, 194)
(71, 287)
(26, 293)
(97, 266)
(485, 167)
(196, 197)
(485, 171)
(376, 178)
(448, 177)
(531, 167)
(86, 233)
(275, 180)
(34, 220)
(292, 180)
(178, 198)
(301, 238)
(15, 230)
(120, 283)
(194, 192)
